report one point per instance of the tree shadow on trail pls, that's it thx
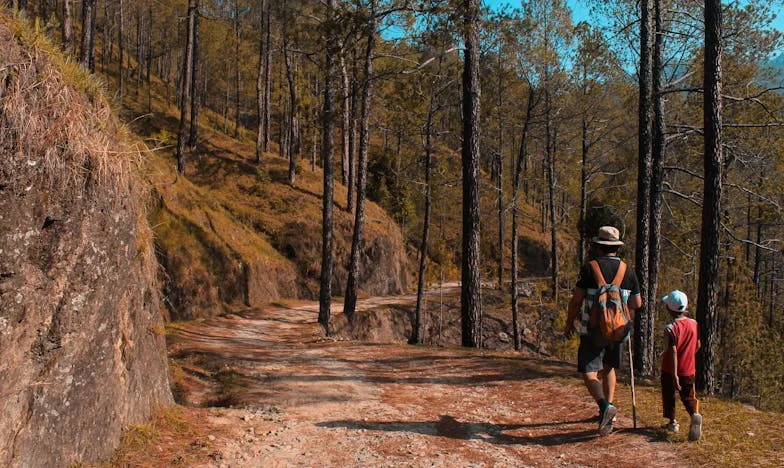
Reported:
(501, 434)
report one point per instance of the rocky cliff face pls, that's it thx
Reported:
(82, 351)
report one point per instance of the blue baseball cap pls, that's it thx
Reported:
(676, 301)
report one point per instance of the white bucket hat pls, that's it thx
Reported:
(608, 235)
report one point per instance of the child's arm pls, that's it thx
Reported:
(675, 380)
(672, 343)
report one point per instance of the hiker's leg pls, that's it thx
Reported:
(610, 362)
(589, 364)
(593, 385)
(689, 394)
(668, 396)
(608, 383)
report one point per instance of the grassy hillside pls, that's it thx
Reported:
(232, 234)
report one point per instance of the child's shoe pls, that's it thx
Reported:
(695, 429)
(671, 426)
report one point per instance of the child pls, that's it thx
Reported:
(678, 364)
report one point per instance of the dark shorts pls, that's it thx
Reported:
(592, 358)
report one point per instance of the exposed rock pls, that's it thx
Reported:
(82, 352)
(526, 288)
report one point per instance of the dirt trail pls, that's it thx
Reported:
(300, 400)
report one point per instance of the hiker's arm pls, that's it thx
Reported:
(634, 303)
(574, 307)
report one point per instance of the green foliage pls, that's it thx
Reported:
(751, 365)
(388, 187)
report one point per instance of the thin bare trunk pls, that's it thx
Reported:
(237, 79)
(352, 284)
(346, 102)
(417, 337)
(106, 43)
(67, 23)
(121, 47)
(352, 137)
(195, 104)
(267, 76)
(500, 180)
(185, 82)
(293, 137)
(260, 86)
(521, 157)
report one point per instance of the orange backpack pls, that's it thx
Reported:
(609, 321)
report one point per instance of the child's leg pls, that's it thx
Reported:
(689, 394)
(668, 396)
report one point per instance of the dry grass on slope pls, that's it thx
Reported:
(51, 106)
(231, 222)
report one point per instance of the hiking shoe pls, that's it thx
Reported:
(606, 420)
(671, 427)
(695, 429)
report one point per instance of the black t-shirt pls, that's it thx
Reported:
(609, 267)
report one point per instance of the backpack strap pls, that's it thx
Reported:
(597, 273)
(619, 275)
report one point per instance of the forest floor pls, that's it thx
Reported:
(265, 388)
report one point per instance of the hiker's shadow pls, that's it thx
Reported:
(557, 432)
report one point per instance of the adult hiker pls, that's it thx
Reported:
(599, 356)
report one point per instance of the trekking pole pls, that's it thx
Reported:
(631, 376)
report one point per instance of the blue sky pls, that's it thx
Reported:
(580, 10)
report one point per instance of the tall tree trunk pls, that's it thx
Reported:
(149, 58)
(352, 136)
(346, 107)
(757, 252)
(711, 207)
(67, 24)
(550, 143)
(583, 189)
(195, 102)
(121, 47)
(106, 43)
(773, 292)
(521, 157)
(88, 34)
(644, 322)
(237, 79)
(185, 82)
(500, 181)
(139, 60)
(327, 156)
(260, 85)
(293, 146)
(657, 177)
(471, 291)
(417, 337)
(352, 284)
(268, 76)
